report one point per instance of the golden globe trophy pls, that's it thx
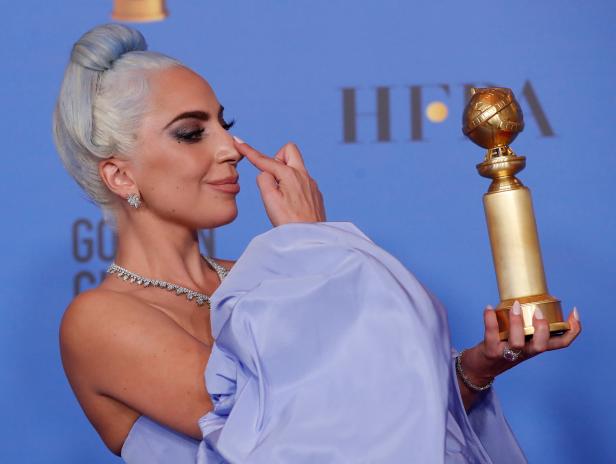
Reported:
(492, 119)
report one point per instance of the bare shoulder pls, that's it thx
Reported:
(96, 310)
(83, 312)
(86, 326)
(102, 323)
(116, 347)
(89, 301)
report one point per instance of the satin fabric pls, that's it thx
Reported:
(328, 350)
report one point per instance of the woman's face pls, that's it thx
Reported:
(183, 146)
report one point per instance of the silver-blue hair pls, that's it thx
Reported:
(102, 100)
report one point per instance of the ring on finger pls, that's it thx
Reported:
(511, 355)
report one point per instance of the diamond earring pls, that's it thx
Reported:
(134, 200)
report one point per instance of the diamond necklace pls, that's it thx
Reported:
(200, 298)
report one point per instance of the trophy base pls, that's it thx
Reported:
(550, 307)
(139, 11)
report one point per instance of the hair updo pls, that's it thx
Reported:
(102, 100)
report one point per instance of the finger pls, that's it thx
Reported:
(291, 156)
(575, 328)
(539, 342)
(266, 182)
(261, 161)
(516, 327)
(491, 339)
(279, 156)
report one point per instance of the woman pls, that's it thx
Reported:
(290, 327)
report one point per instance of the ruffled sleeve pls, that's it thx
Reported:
(328, 350)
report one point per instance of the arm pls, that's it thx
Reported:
(115, 346)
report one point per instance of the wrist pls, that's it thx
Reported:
(475, 366)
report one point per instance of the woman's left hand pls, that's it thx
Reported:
(485, 360)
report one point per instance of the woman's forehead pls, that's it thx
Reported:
(179, 89)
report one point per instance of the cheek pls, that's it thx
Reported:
(174, 168)
(176, 183)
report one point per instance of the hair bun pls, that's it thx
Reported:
(98, 48)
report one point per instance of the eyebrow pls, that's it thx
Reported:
(202, 115)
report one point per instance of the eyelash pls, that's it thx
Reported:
(227, 125)
(189, 136)
(196, 135)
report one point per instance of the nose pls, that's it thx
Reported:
(228, 152)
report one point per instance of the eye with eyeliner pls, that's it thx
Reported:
(191, 135)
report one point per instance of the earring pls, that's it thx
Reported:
(134, 200)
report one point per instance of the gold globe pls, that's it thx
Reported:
(492, 118)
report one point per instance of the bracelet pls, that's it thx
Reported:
(465, 379)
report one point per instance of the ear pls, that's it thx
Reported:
(117, 176)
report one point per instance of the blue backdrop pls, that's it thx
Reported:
(292, 71)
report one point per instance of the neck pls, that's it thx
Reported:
(159, 249)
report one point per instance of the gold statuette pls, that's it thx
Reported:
(492, 119)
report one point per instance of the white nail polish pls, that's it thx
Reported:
(576, 314)
(539, 313)
(516, 308)
(238, 140)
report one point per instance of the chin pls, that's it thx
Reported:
(219, 218)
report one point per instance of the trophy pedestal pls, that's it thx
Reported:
(516, 251)
(549, 305)
(139, 10)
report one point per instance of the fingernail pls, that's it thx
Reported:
(238, 140)
(516, 308)
(538, 313)
(575, 313)
(489, 307)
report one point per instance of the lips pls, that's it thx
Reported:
(228, 184)
(226, 180)
(230, 188)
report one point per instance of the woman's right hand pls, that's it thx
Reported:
(288, 192)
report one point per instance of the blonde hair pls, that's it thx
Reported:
(101, 102)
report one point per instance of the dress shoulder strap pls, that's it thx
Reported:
(220, 270)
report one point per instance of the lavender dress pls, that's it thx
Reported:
(329, 351)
